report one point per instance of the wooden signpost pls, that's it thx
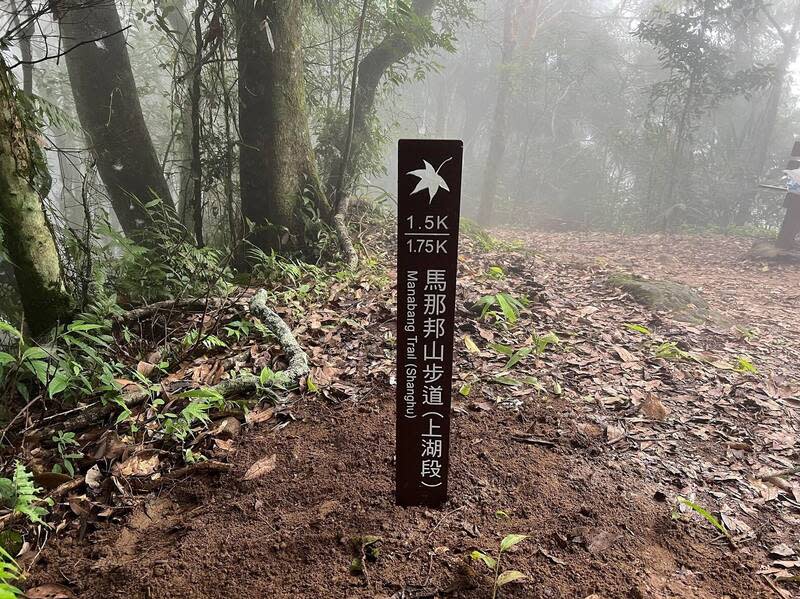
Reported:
(429, 203)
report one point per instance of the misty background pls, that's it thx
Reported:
(615, 115)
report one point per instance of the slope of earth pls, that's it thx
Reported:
(579, 424)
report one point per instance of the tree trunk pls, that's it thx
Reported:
(175, 14)
(497, 145)
(787, 56)
(394, 48)
(70, 177)
(27, 236)
(766, 128)
(791, 224)
(25, 49)
(197, 170)
(277, 162)
(110, 113)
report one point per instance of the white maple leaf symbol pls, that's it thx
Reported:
(430, 179)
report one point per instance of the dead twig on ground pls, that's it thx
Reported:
(168, 305)
(209, 467)
(531, 440)
(780, 473)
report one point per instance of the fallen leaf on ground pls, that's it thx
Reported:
(624, 354)
(93, 477)
(257, 416)
(142, 464)
(50, 591)
(654, 409)
(145, 368)
(614, 433)
(782, 550)
(228, 428)
(261, 467)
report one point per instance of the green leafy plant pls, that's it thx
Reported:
(166, 267)
(669, 350)
(9, 574)
(638, 328)
(238, 329)
(514, 356)
(180, 426)
(193, 457)
(67, 449)
(542, 342)
(284, 272)
(76, 363)
(501, 578)
(270, 378)
(20, 494)
(501, 305)
(208, 340)
(744, 364)
(708, 516)
(496, 272)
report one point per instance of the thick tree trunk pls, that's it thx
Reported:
(277, 163)
(394, 48)
(497, 145)
(27, 236)
(110, 113)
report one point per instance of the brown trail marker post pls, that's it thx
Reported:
(429, 203)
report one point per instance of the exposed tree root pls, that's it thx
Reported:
(298, 360)
(241, 385)
(168, 306)
(209, 467)
(349, 253)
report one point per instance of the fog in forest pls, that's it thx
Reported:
(241, 303)
(605, 115)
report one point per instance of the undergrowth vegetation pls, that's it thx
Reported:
(150, 307)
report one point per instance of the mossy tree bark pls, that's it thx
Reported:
(110, 113)
(27, 236)
(277, 161)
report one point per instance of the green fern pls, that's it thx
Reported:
(21, 494)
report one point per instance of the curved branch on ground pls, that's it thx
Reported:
(241, 385)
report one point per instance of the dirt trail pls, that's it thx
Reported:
(616, 434)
